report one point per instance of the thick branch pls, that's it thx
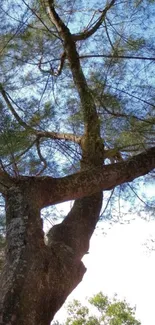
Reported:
(77, 228)
(59, 136)
(51, 191)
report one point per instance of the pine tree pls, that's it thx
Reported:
(77, 119)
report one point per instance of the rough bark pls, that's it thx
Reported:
(40, 277)
(37, 278)
(50, 190)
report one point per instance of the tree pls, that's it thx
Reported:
(108, 311)
(68, 132)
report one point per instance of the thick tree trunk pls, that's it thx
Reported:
(37, 278)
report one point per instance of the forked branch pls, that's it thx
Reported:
(86, 34)
(51, 70)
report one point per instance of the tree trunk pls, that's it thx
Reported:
(38, 277)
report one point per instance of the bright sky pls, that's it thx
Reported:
(119, 262)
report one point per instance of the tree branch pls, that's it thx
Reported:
(51, 70)
(131, 95)
(91, 181)
(43, 134)
(86, 34)
(91, 144)
(114, 56)
(42, 159)
(6, 96)
(131, 116)
(40, 19)
(59, 136)
(87, 102)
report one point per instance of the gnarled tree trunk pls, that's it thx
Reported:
(37, 278)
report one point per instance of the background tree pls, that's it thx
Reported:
(108, 311)
(73, 123)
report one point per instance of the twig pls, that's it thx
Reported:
(51, 70)
(42, 159)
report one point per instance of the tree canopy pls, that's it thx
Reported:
(42, 118)
(106, 311)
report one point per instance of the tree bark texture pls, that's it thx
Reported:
(37, 278)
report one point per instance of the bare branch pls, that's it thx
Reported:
(131, 116)
(114, 56)
(14, 113)
(108, 36)
(42, 159)
(139, 198)
(60, 67)
(86, 34)
(59, 136)
(131, 95)
(51, 70)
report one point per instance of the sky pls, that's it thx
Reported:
(120, 261)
